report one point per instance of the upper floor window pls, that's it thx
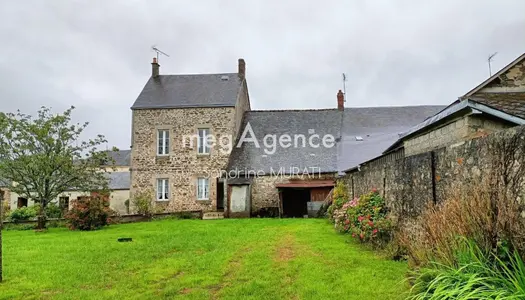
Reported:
(203, 188)
(163, 142)
(202, 143)
(162, 189)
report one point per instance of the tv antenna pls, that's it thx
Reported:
(154, 48)
(344, 86)
(489, 60)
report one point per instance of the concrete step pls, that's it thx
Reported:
(213, 215)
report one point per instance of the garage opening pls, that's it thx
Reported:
(302, 198)
(295, 202)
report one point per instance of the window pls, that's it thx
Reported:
(63, 203)
(203, 188)
(163, 142)
(203, 143)
(163, 190)
(21, 202)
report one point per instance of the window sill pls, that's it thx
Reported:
(203, 154)
(162, 200)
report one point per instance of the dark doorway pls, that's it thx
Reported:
(294, 202)
(220, 195)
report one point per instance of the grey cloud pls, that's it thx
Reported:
(95, 54)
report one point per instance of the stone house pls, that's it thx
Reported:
(497, 103)
(174, 119)
(119, 183)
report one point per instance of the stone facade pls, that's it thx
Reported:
(461, 129)
(184, 165)
(409, 184)
(513, 80)
(265, 194)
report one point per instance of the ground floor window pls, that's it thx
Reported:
(162, 189)
(22, 202)
(63, 203)
(203, 188)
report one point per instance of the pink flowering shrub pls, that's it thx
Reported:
(89, 213)
(365, 218)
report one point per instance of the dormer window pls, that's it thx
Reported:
(163, 142)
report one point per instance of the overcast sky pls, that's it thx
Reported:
(96, 55)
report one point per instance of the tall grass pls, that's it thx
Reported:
(475, 275)
(476, 215)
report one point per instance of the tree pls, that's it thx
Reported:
(44, 157)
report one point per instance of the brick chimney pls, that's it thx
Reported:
(242, 69)
(155, 68)
(340, 100)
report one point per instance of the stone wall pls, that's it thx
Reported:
(513, 80)
(265, 194)
(410, 183)
(464, 128)
(183, 165)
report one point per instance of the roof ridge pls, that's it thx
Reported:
(199, 74)
(293, 109)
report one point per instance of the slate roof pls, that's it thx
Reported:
(121, 157)
(511, 103)
(119, 180)
(379, 128)
(182, 91)
(291, 122)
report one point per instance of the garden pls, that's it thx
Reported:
(469, 247)
(196, 259)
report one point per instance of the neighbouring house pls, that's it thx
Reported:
(172, 118)
(119, 183)
(497, 103)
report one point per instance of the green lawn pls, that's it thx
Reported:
(195, 259)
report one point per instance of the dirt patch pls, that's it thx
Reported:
(185, 291)
(285, 249)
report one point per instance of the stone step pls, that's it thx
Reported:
(213, 215)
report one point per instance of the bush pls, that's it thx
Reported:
(339, 197)
(476, 274)
(23, 214)
(89, 213)
(364, 217)
(11, 226)
(5, 210)
(143, 205)
(53, 211)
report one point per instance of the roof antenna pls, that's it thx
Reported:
(489, 60)
(154, 48)
(344, 86)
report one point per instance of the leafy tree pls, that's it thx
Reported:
(45, 157)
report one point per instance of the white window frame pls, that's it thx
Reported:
(163, 142)
(202, 141)
(203, 188)
(163, 189)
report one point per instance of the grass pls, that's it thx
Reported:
(195, 259)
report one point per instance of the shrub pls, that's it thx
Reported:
(364, 217)
(53, 211)
(23, 214)
(12, 226)
(89, 213)
(143, 204)
(5, 210)
(339, 197)
(476, 274)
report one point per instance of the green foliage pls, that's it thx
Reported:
(45, 156)
(339, 197)
(5, 210)
(364, 217)
(476, 275)
(143, 204)
(89, 213)
(53, 211)
(23, 214)
(13, 226)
